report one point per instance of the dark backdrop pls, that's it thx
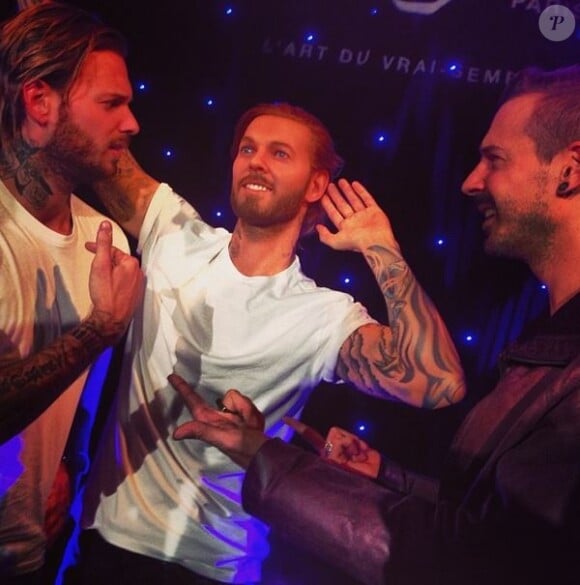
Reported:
(427, 83)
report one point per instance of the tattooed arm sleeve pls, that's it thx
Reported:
(29, 386)
(413, 359)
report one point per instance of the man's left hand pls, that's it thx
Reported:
(237, 429)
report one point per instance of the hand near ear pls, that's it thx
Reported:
(359, 221)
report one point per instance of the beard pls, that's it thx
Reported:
(528, 237)
(267, 209)
(72, 154)
(523, 234)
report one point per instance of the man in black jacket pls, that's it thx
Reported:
(507, 506)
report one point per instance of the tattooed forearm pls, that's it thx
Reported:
(413, 359)
(127, 194)
(115, 191)
(29, 386)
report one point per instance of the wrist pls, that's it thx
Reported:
(101, 327)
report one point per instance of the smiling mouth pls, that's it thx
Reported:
(257, 187)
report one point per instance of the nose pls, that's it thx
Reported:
(474, 182)
(257, 159)
(129, 124)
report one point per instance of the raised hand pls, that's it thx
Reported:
(115, 285)
(359, 221)
(236, 428)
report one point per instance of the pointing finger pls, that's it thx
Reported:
(193, 400)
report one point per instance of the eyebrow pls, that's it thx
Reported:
(490, 149)
(115, 95)
(275, 143)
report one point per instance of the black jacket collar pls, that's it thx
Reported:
(550, 340)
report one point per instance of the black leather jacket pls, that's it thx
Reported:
(507, 507)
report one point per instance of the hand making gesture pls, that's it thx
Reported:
(340, 448)
(115, 284)
(236, 427)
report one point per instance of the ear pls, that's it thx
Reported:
(569, 171)
(41, 108)
(317, 186)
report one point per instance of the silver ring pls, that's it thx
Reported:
(222, 407)
(328, 446)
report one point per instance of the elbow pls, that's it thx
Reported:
(447, 392)
(459, 392)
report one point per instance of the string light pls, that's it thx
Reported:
(168, 153)
(454, 69)
(381, 138)
(229, 11)
(469, 338)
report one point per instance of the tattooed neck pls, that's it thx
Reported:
(28, 180)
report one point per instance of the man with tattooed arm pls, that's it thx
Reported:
(235, 310)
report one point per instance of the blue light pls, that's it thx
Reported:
(142, 86)
(346, 280)
(469, 338)
(209, 102)
(454, 69)
(309, 37)
(218, 214)
(440, 242)
(544, 286)
(374, 11)
(362, 428)
(381, 138)
(168, 153)
(229, 11)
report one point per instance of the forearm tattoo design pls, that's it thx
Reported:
(29, 386)
(415, 347)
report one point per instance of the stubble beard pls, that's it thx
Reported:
(72, 154)
(278, 210)
(525, 235)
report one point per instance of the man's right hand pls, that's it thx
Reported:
(115, 285)
(340, 448)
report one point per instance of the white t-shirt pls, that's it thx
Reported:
(43, 293)
(272, 337)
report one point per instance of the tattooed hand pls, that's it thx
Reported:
(340, 447)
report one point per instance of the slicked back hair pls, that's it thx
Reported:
(324, 156)
(46, 42)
